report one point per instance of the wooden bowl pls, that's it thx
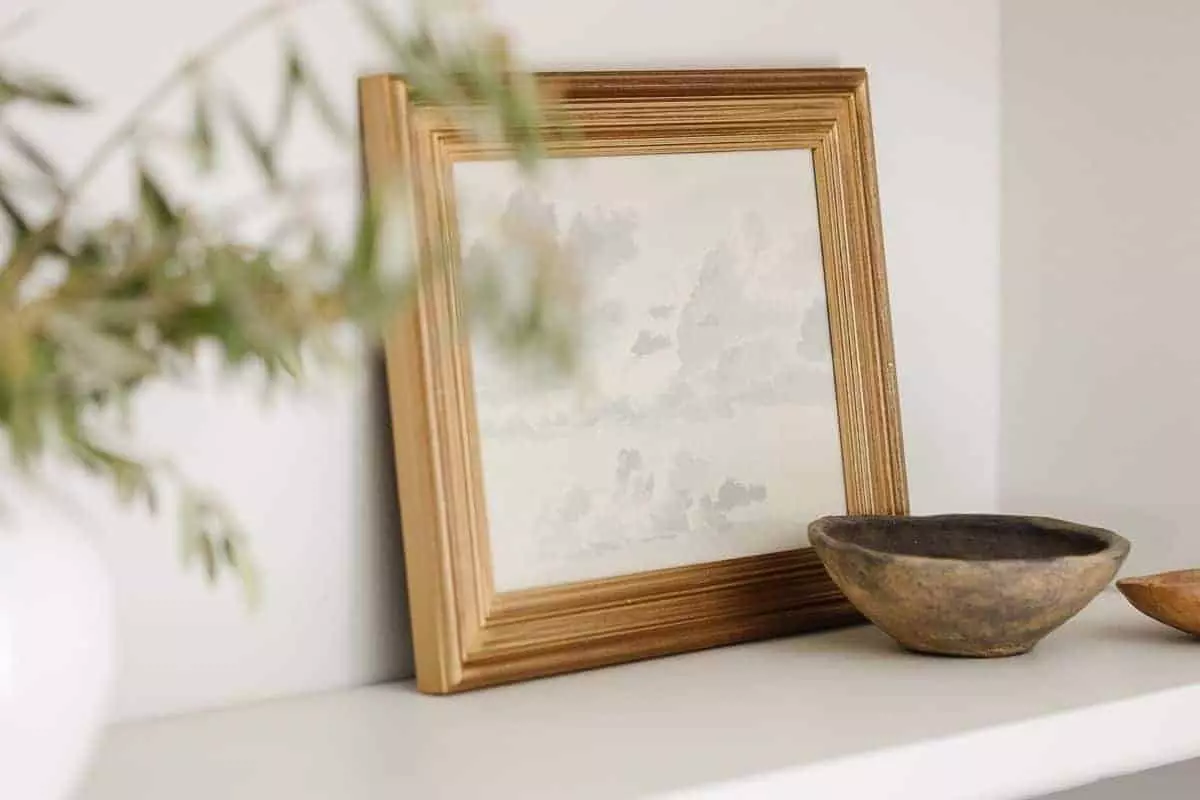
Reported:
(967, 584)
(1172, 598)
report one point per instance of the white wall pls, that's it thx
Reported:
(1101, 369)
(320, 509)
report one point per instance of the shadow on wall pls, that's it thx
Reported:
(386, 581)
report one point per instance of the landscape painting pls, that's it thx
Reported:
(702, 423)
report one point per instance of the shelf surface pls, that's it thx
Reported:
(838, 714)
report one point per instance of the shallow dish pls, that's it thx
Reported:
(967, 584)
(1172, 598)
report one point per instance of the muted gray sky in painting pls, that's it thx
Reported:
(704, 425)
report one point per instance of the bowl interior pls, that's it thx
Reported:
(968, 537)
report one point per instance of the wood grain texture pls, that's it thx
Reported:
(1172, 598)
(467, 635)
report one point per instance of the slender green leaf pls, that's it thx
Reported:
(130, 479)
(237, 558)
(211, 535)
(430, 76)
(198, 521)
(259, 148)
(523, 118)
(155, 205)
(301, 78)
(202, 139)
(133, 484)
(108, 358)
(251, 582)
(293, 80)
(31, 153)
(38, 89)
(229, 551)
(208, 556)
(335, 123)
(364, 256)
(189, 526)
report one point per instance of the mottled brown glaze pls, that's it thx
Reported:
(968, 584)
(1172, 598)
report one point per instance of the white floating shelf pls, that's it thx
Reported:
(843, 714)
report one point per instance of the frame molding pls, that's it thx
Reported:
(467, 635)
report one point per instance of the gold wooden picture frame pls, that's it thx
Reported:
(466, 632)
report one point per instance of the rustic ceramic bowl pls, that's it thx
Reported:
(1172, 598)
(971, 584)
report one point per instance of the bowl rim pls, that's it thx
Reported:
(1175, 581)
(1114, 543)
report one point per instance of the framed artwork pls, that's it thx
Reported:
(737, 349)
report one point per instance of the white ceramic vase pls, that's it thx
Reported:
(56, 657)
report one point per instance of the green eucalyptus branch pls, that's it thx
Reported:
(250, 23)
(89, 312)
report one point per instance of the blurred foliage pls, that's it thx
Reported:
(91, 311)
